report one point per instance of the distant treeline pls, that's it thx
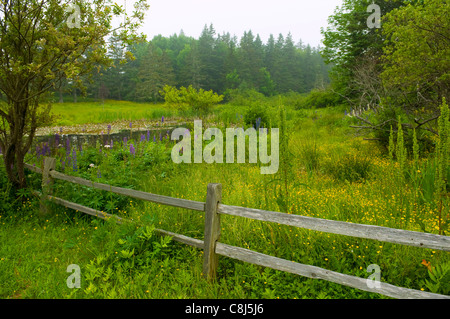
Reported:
(218, 62)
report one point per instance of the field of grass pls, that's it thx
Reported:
(70, 113)
(331, 174)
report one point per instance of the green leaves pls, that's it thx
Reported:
(416, 53)
(439, 279)
(184, 99)
(127, 253)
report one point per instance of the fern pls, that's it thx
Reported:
(439, 279)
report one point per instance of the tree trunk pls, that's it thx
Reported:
(14, 163)
(17, 141)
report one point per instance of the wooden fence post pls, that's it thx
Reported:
(212, 231)
(47, 182)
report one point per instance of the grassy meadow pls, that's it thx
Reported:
(329, 173)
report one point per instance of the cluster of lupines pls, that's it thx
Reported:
(71, 157)
(57, 140)
(67, 147)
(43, 150)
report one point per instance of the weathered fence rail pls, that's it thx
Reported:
(213, 208)
(396, 236)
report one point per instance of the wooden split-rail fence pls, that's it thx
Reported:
(213, 209)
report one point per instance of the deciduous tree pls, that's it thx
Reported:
(41, 43)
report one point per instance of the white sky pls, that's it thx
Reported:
(303, 18)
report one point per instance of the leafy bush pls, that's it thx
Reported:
(185, 99)
(256, 115)
(320, 99)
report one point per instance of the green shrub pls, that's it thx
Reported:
(320, 99)
(190, 99)
(255, 113)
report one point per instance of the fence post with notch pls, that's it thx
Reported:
(212, 231)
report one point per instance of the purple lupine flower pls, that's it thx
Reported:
(162, 119)
(258, 123)
(109, 128)
(99, 174)
(38, 151)
(148, 135)
(142, 137)
(46, 150)
(67, 147)
(57, 139)
(131, 125)
(154, 138)
(74, 160)
(132, 150)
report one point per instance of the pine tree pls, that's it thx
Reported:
(155, 72)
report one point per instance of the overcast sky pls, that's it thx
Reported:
(303, 18)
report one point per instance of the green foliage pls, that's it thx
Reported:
(416, 149)
(439, 279)
(347, 38)
(256, 115)
(320, 99)
(155, 73)
(416, 69)
(391, 144)
(217, 62)
(310, 155)
(443, 166)
(400, 151)
(184, 99)
(443, 149)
